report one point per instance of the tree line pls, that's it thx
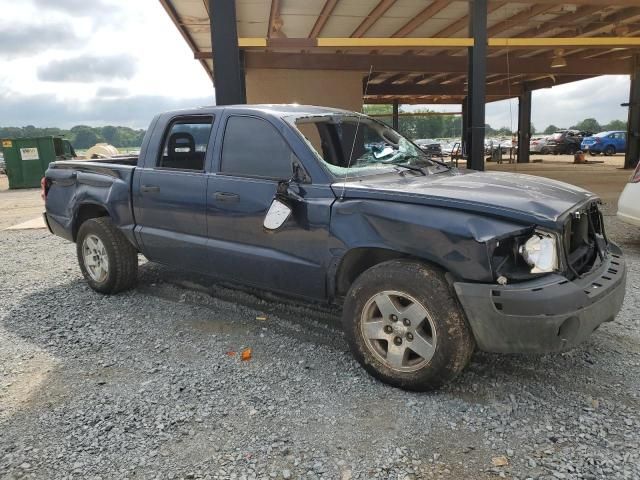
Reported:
(418, 126)
(450, 126)
(591, 125)
(81, 136)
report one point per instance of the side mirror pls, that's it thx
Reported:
(278, 213)
(287, 193)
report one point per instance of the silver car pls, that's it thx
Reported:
(539, 145)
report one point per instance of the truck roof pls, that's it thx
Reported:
(281, 110)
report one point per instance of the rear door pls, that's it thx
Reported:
(170, 194)
(253, 156)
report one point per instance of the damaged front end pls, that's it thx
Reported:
(533, 252)
(539, 304)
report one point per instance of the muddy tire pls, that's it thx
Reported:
(109, 262)
(405, 325)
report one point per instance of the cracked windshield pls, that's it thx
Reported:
(349, 145)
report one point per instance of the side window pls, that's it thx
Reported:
(253, 147)
(185, 144)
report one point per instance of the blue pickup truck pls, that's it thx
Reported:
(428, 262)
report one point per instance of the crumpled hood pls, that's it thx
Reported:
(511, 195)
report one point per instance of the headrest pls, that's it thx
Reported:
(181, 143)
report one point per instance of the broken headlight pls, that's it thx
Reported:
(523, 255)
(540, 251)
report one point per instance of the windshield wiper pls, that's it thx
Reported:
(409, 167)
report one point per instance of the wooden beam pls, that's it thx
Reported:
(274, 13)
(322, 19)
(519, 18)
(513, 88)
(430, 42)
(373, 17)
(432, 100)
(560, 42)
(567, 21)
(421, 17)
(600, 3)
(439, 64)
(371, 42)
(463, 23)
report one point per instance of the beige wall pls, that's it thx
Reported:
(327, 88)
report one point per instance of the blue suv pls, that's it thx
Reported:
(608, 143)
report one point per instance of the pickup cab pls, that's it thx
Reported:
(427, 262)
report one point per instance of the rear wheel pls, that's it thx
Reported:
(109, 262)
(405, 326)
(593, 154)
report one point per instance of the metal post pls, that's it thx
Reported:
(477, 82)
(524, 126)
(633, 122)
(227, 60)
(395, 120)
(464, 140)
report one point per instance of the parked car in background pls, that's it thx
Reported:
(429, 146)
(607, 143)
(539, 145)
(492, 144)
(629, 201)
(566, 142)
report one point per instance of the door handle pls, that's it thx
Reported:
(226, 197)
(149, 188)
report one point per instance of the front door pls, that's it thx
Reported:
(171, 193)
(253, 158)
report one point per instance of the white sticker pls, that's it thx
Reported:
(29, 154)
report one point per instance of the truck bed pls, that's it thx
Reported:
(88, 184)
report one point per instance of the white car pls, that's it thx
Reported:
(629, 202)
(538, 145)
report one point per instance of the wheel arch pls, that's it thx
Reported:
(359, 259)
(87, 211)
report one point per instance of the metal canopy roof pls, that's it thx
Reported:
(416, 49)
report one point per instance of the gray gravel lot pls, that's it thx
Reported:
(141, 385)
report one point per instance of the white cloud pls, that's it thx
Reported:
(143, 41)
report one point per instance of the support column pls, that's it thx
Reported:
(477, 83)
(464, 140)
(395, 118)
(227, 60)
(633, 122)
(524, 126)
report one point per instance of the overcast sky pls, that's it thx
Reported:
(97, 62)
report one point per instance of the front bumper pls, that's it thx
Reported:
(548, 314)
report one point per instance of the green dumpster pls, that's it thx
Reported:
(27, 159)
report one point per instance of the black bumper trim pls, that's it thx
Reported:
(548, 314)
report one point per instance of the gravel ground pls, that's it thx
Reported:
(144, 385)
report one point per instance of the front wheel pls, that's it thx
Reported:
(405, 326)
(610, 150)
(109, 262)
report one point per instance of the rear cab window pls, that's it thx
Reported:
(185, 144)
